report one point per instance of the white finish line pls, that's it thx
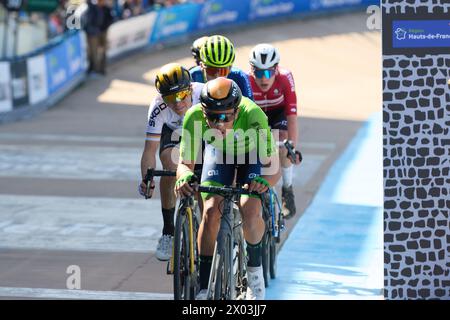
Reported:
(41, 293)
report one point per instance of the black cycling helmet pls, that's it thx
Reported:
(220, 94)
(195, 48)
(172, 78)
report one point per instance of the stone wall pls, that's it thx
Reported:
(416, 140)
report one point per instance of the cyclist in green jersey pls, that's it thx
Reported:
(238, 144)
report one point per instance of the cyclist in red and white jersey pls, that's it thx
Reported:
(274, 91)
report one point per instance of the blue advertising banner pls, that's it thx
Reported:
(74, 55)
(263, 9)
(420, 33)
(222, 12)
(175, 21)
(326, 5)
(57, 67)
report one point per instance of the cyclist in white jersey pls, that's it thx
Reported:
(177, 93)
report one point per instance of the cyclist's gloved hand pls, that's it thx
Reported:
(183, 185)
(258, 184)
(296, 157)
(142, 188)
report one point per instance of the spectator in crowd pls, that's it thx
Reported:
(169, 3)
(131, 8)
(99, 18)
(57, 20)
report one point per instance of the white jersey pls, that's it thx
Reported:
(159, 114)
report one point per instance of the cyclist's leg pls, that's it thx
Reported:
(278, 122)
(253, 223)
(253, 227)
(214, 173)
(168, 154)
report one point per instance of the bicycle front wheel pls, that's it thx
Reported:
(184, 270)
(265, 256)
(222, 283)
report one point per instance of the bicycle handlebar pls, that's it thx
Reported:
(151, 173)
(227, 191)
(292, 153)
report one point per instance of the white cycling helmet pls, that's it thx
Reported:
(264, 56)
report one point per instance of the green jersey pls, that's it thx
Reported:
(250, 133)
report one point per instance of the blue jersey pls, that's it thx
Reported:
(237, 75)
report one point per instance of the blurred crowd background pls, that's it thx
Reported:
(23, 31)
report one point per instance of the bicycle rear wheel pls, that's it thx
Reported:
(265, 241)
(272, 258)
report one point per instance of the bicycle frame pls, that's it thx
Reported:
(275, 218)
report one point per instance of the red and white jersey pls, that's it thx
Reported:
(280, 96)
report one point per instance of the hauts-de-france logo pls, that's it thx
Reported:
(400, 34)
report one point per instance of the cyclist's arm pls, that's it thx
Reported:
(292, 129)
(148, 159)
(190, 145)
(268, 151)
(291, 107)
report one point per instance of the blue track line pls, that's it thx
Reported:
(336, 249)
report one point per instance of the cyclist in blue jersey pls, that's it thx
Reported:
(217, 57)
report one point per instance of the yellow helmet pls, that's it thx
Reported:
(172, 78)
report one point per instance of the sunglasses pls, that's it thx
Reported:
(219, 72)
(268, 73)
(219, 117)
(176, 97)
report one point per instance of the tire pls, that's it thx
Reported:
(273, 259)
(223, 278)
(265, 250)
(184, 286)
(265, 257)
(240, 276)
